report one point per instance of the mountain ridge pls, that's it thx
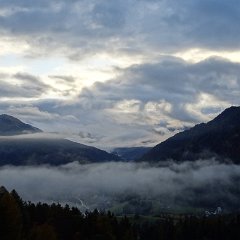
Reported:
(219, 139)
(32, 151)
(40, 150)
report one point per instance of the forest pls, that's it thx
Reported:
(20, 220)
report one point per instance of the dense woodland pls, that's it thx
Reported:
(22, 221)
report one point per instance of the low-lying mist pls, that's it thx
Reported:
(130, 187)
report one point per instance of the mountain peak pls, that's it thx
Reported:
(10, 125)
(230, 113)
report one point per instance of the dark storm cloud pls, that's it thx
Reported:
(172, 80)
(63, 24)
(27, 86)
(110, 14)
(218, 23)
(202, 23)
(90, 26)
(32, 84)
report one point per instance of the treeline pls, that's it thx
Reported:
(27, 221)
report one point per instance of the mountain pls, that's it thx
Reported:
(10, 126)
(30, 150)
(219, 138)
(130, 153)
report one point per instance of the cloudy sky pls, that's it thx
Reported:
(118, 72)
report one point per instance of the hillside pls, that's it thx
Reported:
(22, 150)
(219, 138)
(33, 151)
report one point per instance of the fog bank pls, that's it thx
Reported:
(201, 184)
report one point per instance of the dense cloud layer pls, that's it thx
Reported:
(106, 73)
(201, 184)
(162, 25)
(171, 85)
(144, 105)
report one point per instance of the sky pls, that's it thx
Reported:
(118, 73)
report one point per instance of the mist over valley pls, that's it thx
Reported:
(172, 177)
(131, 188)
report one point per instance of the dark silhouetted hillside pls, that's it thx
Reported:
(219, 138)
(22, 150)
(31, 151)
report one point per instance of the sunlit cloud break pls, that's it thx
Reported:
(124, 71)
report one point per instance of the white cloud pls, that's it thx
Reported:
(112, 65)
(194, 184)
